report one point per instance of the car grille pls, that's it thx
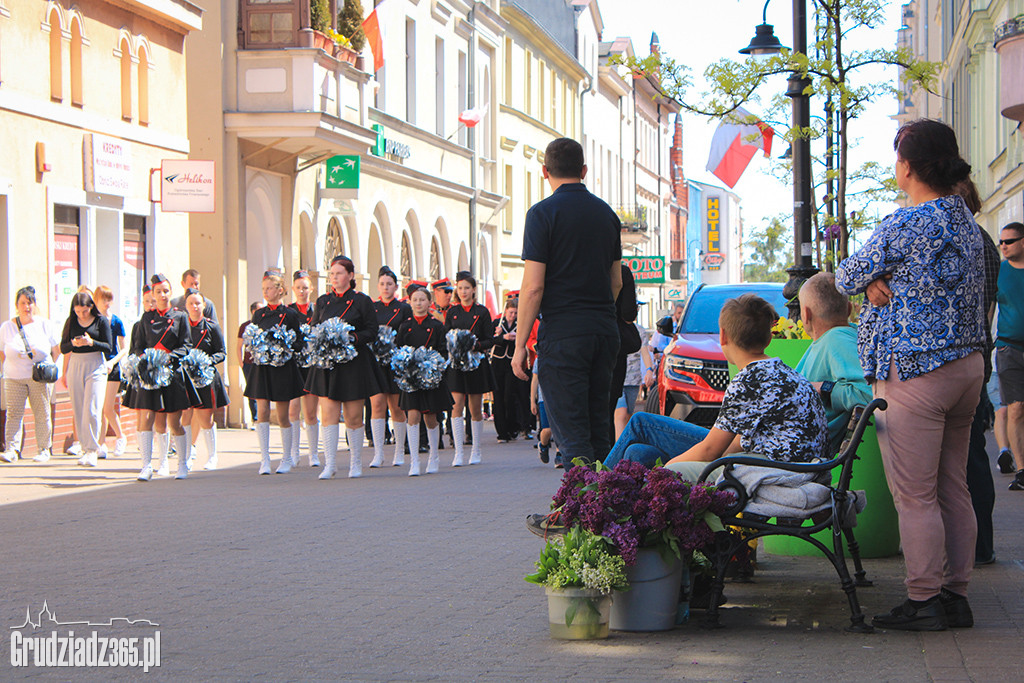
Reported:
(716, 374)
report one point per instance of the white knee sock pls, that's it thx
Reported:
(188, 447)
(287, 443)
(355, 451)
(458, 438)
(296, 453)
(263, 437)
(145, 440)
(478, 435)
(432, 459)
(210, 435)
(160, 451)
(400, 431)
(414, 449)
(182, 445)
(313, 443)
(377, 427)
(330, 451)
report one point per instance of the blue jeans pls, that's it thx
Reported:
(648, 438)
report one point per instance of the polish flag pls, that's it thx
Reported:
(735, 144)
(371, 28)
(471, 117)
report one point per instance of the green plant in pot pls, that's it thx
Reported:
(580, 572)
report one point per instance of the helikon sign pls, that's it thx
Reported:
(187, 185)
(647, 269)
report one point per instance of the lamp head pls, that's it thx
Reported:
(764, 42)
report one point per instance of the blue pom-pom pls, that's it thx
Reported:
(269, 347)
(329, 344)
(460, 350)
(199, 366)
(152, 369)
(384, 345)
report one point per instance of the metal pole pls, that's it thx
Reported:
(803, 266)
(471, 138)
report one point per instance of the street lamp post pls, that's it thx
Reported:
(765, 42)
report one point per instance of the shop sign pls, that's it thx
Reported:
(647, 269)
(65, 267)
(714, 223)
(343, 172)
(714, 261)
(187, 185)
(388, 147)
(108, 165)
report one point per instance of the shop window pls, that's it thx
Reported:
(76, 62)
(56, 66)
(126, 80)
(66, 253)
(134, 266)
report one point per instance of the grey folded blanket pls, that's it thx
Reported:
(778, 493)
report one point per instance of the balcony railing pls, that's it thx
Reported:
(633, 217)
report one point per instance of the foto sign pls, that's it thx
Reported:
(647, 269)
(187, 185)
(108, 165)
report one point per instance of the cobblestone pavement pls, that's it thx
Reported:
(388, 578)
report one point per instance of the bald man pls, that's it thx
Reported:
(831, 363)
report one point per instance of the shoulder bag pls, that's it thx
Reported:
(43, 371)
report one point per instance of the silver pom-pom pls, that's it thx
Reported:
(269, 347)
(129, 365)
(329, 344)
(417, 368)
(460, 350)
(384, 345)
(152, 369)
(199, 366)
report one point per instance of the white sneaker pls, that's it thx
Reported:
(211, 464)
(191, 457)
(102, 452)
(146, 474)
(119, 446)
(82, 461)
(9, 456)
(164, 470)
(90, 459)
(265, 467)
(74, 449)
(44, 456)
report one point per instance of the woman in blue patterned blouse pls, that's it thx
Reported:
(920, 341)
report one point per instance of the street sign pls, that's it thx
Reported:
(343, 172)
(647, 269)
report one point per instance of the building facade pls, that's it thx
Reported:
(721, 234)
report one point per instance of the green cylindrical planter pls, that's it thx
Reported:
(578, 613)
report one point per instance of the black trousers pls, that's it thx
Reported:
(511, 400)
(576, 376)
(979, 476)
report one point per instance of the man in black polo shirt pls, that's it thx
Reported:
(572, 253)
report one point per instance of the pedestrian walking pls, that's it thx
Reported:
(209, 338)
(1010, 342)
(190, 279)
(302, 289)
(25, 340)
(86, 340)
(468, 387)
(572, 276)
(511, 394)
(347, 385)
(932, 378)
(104, 296)
(390, 313)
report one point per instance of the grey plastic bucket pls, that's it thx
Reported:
(651, 601)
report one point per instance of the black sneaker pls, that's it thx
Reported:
(558, 460)
(929, 616)
(958, 612)
(545, 525)
(544, 449)
(1018, 482)
(1005, 462)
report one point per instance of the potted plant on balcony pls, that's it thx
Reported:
(320, 23)
(350, 26)
(655, 520)
(579, 572)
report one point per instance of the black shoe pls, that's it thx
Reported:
(527, 435)
(1005, 462)
(544, 453)
(558, 460)
(958, 612)
(424, 449)
(1018, 482)
(929, 616)
(545, 525)
(991, 559)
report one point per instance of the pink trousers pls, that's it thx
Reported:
(923, 437)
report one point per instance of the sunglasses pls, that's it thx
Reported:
(1015, 239)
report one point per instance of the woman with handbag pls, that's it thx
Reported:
(87, 339)
(26, 340)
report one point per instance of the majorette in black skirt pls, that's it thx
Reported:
(476, 319)
(168, 331)
(209, 338)
(430, 333)
(305, 312)
(392, 314)
(278, 384)
(360, 377)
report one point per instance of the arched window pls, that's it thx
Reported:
(143, 86)
(76, 62)
(56, 66)
(435, 261)
(126, 80)
(406, 257)
(334, 243)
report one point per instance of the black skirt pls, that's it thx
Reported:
(478, 381)
(277, 384)
(115, 373)
(213, 396)
(387, 379)
(179, 395)
(436, 400)
(356, 380)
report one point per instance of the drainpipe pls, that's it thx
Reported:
(471, 137)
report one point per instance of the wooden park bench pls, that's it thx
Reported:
(835, 517)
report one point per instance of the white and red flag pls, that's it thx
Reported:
(735, 143)
(471, 117)
(371, 28)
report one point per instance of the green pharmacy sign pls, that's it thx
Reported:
(343, 172)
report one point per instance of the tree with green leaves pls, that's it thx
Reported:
(765, 258)
(838, 73)
(319, 15)
(350, 24)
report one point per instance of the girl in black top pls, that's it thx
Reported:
(422, 329)
(469, 387)
(390, 312)
(277, 384)
(306, 404)
(85, 341)
(166, 329)
(347, 385)
(208, 338)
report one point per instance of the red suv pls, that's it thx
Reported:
(693, 373)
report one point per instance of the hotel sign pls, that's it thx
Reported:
(714, 221)
(108, 165)
(187, 185)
